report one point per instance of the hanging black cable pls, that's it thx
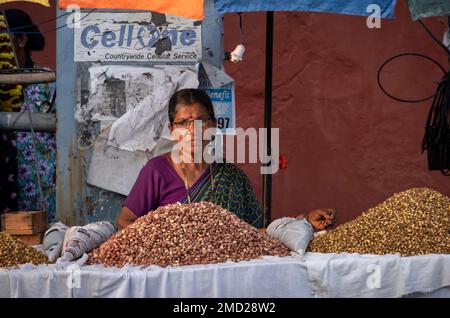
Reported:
(64, 25)
(399, 56)
(39, 23)
(241, 28)
(55, 29)
(436, 140)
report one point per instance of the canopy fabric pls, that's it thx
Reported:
(192, 9)
(352, 7)
(43, 2)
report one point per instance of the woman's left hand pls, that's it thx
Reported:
(321, 219)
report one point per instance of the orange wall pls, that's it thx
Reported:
(39, 14)
(348, 145)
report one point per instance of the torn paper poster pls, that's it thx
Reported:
(115, 169)
(140, 127)
(113, 90)
(216, 77)
(140, 95)
(220, 87)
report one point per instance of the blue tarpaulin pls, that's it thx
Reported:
(352, 7)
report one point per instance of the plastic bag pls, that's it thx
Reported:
(53, 240)
(83, 239)
(294, 233)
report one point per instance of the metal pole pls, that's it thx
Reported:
(20, 121)
(267, 178)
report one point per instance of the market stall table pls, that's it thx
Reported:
(315, 275)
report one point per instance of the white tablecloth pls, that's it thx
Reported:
(317, 275)
(356, 275)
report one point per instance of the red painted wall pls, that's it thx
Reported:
(348, 145)
(39, 14)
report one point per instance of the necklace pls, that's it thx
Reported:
(186, 184)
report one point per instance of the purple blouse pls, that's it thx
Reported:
(158, 184)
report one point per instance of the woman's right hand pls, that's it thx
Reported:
(321, 219)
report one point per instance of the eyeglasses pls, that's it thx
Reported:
(185, 123)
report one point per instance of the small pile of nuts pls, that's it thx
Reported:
(14, 252)
(412, 222)
(185, 234)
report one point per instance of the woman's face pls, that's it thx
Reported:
(184, 122)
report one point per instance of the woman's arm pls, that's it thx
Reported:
(126, 217)
(143, 196)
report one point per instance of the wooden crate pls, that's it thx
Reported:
(34, 239)
(24, 222)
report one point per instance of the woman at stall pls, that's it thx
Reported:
(164, 180)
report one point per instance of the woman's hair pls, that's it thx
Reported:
(20, 23)
(188, 97)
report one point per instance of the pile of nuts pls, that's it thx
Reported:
(14, 252)
(185, 234)
(412, 222)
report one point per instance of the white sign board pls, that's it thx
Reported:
(137, 37)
